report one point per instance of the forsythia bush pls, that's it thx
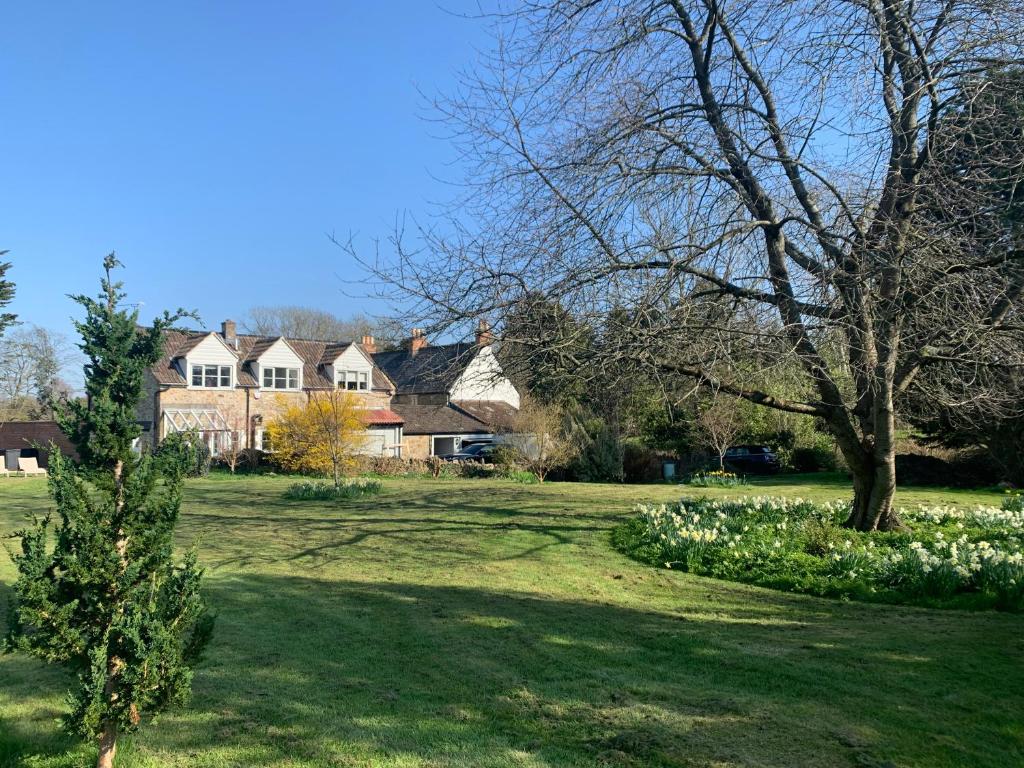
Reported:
(320, 437)
(972, 558)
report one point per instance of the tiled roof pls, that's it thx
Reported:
(437, 419)
(431, 369)
(382, 417)
(332, 352)
(178, 343)
(494, 413)
(259, 346)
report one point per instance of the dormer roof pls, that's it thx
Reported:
(177, 343)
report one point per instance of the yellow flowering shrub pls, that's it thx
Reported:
(322, 436)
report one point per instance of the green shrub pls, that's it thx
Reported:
(322, 490)
(812, 459)
(948, 557)
(184, 453)
(523, 476)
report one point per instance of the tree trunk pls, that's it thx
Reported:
(108, 746)
(874, 486)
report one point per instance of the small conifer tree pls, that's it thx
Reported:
(106, 599)
(6, 295)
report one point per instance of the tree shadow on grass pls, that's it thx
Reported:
(305, 672)
(35, 691)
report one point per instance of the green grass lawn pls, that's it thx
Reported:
(485, 623)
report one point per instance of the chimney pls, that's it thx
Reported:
(228, 330)
(369, 344)
(484, 334)
(418, 340)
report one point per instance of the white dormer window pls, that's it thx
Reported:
(354, 380)
(280, 378)
(211, 376)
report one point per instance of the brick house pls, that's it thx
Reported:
(229, 386)
(449, 395)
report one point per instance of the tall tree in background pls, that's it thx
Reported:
(986, 129)
(104, 597)
(6, 295)
(33, 363)
(308, 323)
(741, 180)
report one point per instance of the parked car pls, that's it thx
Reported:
(753, 459)
(481, 453)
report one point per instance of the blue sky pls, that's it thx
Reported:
(213, 145)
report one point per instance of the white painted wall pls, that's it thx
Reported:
(278, 355)
(382, 441)
(483, 379)
(351, 360)
(210, 351)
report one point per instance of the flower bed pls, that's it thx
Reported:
(716, 479)
(947, 557)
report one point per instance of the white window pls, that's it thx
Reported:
(281, 378)
(354, 380)
(261, 440)
(211, 376)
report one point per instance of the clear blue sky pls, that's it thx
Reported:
(214, 144)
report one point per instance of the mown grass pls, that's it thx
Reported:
(487, 623)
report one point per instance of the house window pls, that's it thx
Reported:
(211, 376)
(354, 380)
(261, 440)
(281, 378)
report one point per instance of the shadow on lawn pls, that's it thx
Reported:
(308, 672)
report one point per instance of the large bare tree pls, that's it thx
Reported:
(732, 187)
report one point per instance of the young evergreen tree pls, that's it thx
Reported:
(107, 600)
(6, 295)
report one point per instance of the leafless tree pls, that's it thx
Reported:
(727, 187)
(309, 323)
(542, 434)
(33, 368)
(719, 422)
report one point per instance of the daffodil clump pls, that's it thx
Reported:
(718, 478)
(323, 490)
(966, 558)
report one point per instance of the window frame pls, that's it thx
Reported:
(282, 378)
(211, 376)
(353, 381)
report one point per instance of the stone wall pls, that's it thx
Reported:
(231, 404)
(415, 446)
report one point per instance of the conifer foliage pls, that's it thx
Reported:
(106, 599)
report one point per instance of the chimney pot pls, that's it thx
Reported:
(418, 340)
(484, 335)
(228, 330)
(369, 344)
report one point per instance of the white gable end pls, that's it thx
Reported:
(348, 363)
(483, 379)
(278, 355)
(210, 351)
